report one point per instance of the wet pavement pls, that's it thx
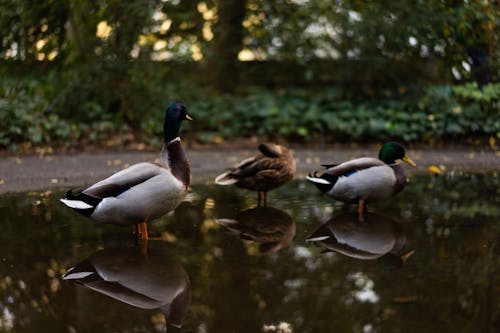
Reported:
(33, 172)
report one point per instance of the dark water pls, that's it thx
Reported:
(262, 275)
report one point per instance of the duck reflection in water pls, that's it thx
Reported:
(378, 237)
(147, 282)
(271, 227)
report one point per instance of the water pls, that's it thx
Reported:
(265, 277)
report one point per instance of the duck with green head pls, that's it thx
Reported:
(365, 179)
(143, 191)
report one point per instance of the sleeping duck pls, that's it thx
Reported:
(270, 169)
(155, 281)
(365, 179)
(143, 191)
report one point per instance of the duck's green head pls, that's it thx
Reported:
(392, 151)
(174, 116)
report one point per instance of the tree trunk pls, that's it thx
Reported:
(228, 35)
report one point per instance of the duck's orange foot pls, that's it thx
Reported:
(361, 210)
(144, 231)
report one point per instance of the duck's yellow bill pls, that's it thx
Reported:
(409, 161)
(188, 117)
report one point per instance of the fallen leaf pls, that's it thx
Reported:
(168, 237)
(492, 142)
(434, 169)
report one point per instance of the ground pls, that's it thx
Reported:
(41, 172)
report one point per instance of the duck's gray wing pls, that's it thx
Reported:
(354, 165)
(123, 180)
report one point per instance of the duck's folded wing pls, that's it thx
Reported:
(259, 164)
(354, 165)
(123, 180)
(246, 162)
(232, 176)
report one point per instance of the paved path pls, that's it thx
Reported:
(38, 173)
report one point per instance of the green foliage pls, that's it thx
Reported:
(471, 92)
(447, 34)
(39, 112)
(109, 67)
(24, 114)
(29, 116)
(441, 113)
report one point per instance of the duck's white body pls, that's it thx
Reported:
(366, 178)
(373, 180)
(140, 193)
(157, 192)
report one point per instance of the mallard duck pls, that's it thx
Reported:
(148, 282)
(270, 169)
(379, 238)
(365, 179)
(272, 228)
(143, 191)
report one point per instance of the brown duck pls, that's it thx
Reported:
(273, 167)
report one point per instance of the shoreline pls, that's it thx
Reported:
(57, 171)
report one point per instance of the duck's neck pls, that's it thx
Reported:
(176, 161)
(399, 172)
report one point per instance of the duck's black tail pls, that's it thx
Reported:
(325, 182)
(84, 204)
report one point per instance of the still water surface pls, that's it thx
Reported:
(304, 264)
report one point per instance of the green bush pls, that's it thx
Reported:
(442, 113)
(25, 116)
(42, 111)
(29, 115)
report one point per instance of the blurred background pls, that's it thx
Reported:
(75, 74)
